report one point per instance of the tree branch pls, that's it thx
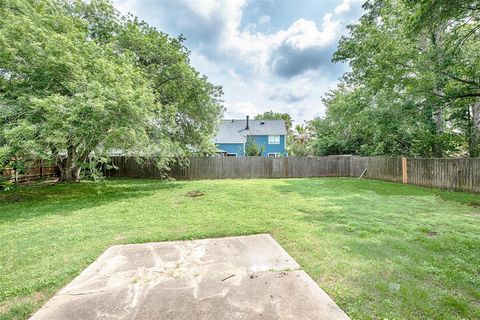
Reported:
(466, 95)
(161, 83)
(471, 82)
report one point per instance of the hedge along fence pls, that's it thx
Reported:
(452, 174)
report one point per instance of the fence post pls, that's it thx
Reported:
(41, 169)
(404, 170)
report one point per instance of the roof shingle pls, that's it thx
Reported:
(233, 130)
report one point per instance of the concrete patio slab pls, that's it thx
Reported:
(249, 277)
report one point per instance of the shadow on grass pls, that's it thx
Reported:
(352, 186)
(345, 186)
(397, 235)
(365, 208)
(368, 220)
(62, 199)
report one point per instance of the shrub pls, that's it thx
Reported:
(5, 184)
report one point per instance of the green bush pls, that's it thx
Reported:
(5, 184)
(252, 149)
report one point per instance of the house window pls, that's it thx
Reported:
(231, 154)
(273, 139)
(273, 154)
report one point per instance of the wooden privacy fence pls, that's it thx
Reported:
(239, 168)
(38, 170)
(453, 174)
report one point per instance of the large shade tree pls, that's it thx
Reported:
(413, 87)
(77, 80)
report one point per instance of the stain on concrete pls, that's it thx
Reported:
(248, 277)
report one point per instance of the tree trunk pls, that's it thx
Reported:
(69, 170)
(437, 115)
(439, 127)
(474, 149)
(432, 44)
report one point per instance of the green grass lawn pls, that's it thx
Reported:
(381, 250)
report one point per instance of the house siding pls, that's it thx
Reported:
(237, 148)
(262, 140)
(271, 148)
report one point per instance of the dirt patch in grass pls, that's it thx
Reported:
(194, 194)
(4, 198)
(38, 296)
(432, 233)
(119, 237)
(474, 204)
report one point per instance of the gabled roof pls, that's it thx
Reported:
(233, 130)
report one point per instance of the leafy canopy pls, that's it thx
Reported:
(77, 79)
(413, 88)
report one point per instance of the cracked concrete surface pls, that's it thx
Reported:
(249, 277)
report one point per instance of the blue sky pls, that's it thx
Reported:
(266, 54)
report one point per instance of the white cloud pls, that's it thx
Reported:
(239, 110)
(344, 6)
(126, 6)
(304, 47)
(264, 19)
(348, 7)
(260, 49)
(218, 23)
(304, 34)
(287, 70)
(227, 12)
(204, 8)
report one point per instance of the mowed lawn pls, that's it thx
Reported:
(381, 250)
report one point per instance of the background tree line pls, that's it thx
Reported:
(78, 80)
(414, 86)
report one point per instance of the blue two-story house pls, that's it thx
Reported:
(269, 135)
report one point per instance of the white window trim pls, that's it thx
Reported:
(270, 142)
(274, 154)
